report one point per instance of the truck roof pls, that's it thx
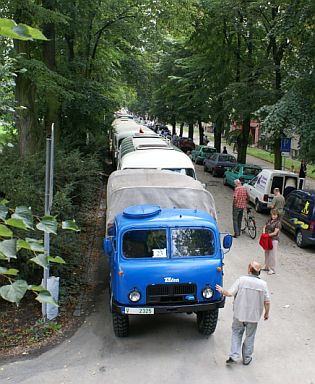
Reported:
(159, 187)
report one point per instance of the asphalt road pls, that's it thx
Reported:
(168, 348)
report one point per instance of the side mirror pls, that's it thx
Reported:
(227, 241)
(108, 246)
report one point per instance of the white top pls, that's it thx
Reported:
(164, 188)
(157, 158)
(250, 293)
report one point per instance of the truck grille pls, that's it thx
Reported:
(169, 293)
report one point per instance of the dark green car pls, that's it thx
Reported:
(243, 172)
(201, 152)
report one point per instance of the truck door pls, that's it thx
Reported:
(290, 184)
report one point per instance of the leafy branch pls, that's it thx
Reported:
(21, 218)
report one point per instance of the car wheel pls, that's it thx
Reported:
(257, 206)
(205, 168)
(225, 181)
(214, 172)
(299, 239)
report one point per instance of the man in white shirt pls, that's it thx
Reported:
(251, 297)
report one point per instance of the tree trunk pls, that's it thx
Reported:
(201, 132)
(49, 58)
(26, 118)
(218, 124)
(242, 148)
(173, 125)
(277, 55)
(181, 129)
(191, 130)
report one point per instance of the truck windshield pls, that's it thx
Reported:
(192, 242)
(144, 244)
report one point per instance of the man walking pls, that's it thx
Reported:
(240, 198)
(277, 201)
(251, 297)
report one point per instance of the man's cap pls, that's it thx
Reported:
(255, 266)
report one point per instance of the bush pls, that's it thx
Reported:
(77, 181)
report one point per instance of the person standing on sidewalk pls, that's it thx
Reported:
(240, 198)
(251, 297)
(272, 227)
(303, 169)
(277, 201)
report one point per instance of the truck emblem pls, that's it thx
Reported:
(171, 280)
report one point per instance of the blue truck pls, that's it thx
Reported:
(164, 248)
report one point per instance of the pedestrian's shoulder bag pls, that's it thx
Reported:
(265, 241)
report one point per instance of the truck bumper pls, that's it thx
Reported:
(158, 309)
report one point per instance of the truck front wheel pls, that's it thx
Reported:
(120, 324)
(207, 321)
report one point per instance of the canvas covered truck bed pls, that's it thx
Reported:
(164, 188)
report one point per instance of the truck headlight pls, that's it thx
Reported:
(207, 293)
(134, 296)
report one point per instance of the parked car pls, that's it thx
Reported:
(218, 163)
(200, 152)
(185, 144)
(260, 188)
(299, 217)
(243, 172)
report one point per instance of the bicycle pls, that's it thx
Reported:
(249, 223)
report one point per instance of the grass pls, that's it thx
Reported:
(267, 156)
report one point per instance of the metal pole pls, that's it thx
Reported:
(48, 203)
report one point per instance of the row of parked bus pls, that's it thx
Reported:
(135, 146)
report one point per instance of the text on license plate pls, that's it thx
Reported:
(137, 311)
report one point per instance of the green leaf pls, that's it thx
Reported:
(22, 244)
(41, 260)
(14, 292)
(32, 33)
(70, 225)
(5, 231)
(48, 224)
(7, 23)
(9, 28)
(56, 259)
(8, 248)
(17, 223)
(31, 244)
(36, 288)
(4, 201)
(24, 214)
(3, 211)
(45, 297)
(8, 271)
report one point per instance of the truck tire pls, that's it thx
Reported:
(207, 321)
(120, 324)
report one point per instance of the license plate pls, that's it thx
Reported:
(137, 311)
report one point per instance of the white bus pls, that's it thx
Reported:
(166, 158)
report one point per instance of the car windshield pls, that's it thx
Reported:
(192, 242)
(145, 244)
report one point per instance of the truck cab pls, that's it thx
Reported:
(165, 260)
